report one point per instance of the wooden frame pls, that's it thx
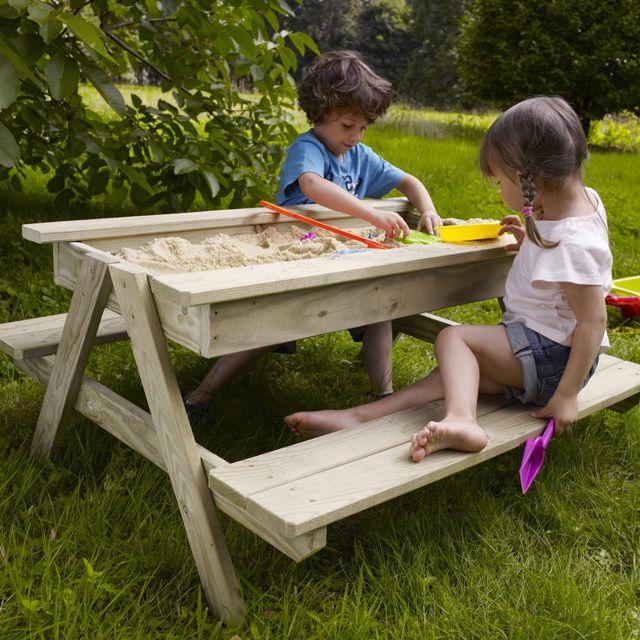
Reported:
(276, 494)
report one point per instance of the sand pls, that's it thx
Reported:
(221, 251)
(280, 243)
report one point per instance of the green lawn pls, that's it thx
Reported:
(92, 545)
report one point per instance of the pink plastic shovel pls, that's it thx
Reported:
(533, 456)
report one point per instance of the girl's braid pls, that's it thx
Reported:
(528, 196)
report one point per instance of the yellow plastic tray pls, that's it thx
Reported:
(465, 232)
(627, 286)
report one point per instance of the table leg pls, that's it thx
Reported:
(177, 443)
(80, 328)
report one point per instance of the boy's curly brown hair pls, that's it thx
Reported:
(342, 81)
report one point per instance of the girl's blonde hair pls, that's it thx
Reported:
(541, 140)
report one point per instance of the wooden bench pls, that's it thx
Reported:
(288, 496)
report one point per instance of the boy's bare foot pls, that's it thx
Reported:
(316, 423)
(450, 433)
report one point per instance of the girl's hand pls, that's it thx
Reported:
(428, 222)
(563, 408)
(513, 224)
(391, 223)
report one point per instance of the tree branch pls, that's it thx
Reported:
(128, 23)
(141, 58)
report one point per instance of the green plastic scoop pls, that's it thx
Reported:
(418, 237)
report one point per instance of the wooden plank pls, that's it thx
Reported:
(175, 222)
(246, 478)
(78, 335)
(281, 466)
(268, 320)
(134, 426)
(297, 548)
(223, 285)
(41, 336)
(318, 500)
(177, 444)
(67, 265)
(425, 326)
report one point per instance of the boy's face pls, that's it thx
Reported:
(341, 130)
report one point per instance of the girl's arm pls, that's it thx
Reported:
(587, 302)
(328, 194)
(419, 197)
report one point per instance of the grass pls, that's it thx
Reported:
(92, 546)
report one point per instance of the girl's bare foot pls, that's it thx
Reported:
(450, 433)
(316, 423)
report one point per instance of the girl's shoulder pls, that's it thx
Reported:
(578, 229)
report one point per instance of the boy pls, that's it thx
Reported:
(329, 165)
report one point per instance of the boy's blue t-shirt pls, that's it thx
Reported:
(362, 172)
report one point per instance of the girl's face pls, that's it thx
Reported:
(339, 131)
(510, 190)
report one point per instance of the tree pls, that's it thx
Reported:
(431, 77)
(587, 51)
(206, 138)
(380, 30)
(384, 37)
(331, 23)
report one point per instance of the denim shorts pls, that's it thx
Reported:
(543, 362)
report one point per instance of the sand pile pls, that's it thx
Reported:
(220, 251)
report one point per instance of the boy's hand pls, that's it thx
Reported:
(563, 408)
(428, 222)
(391, 223)
(513, 224)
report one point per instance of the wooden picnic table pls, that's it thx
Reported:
(289, 496)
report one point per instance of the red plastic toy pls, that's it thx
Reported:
(629, 305)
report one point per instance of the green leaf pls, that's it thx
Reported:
(39, 12)
(50, 30)
(135, 176)
(244, 40)
(62, 75)
(12, 56)
(56, 183)
(306, 40)
(272, 19)
(29, 47)
(212, 181)
(9, 151)
(105, 87)
(297, 41)
(98, 182)
(184, 165)
(87, 32)
(8, 83)
(19, 5)
(9, 13)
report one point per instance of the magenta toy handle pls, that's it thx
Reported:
(548, 432)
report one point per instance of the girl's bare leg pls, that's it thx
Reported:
(223, 371)
(377, 345)
(465, 354)
(314, 423)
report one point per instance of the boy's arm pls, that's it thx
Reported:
(419, 197)
(328, 194)
(587, 302)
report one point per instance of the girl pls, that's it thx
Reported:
(554, 325)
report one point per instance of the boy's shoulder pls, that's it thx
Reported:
(308, 137)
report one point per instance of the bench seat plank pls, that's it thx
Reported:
(41, 336)
(275, 468)
(318, 498)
